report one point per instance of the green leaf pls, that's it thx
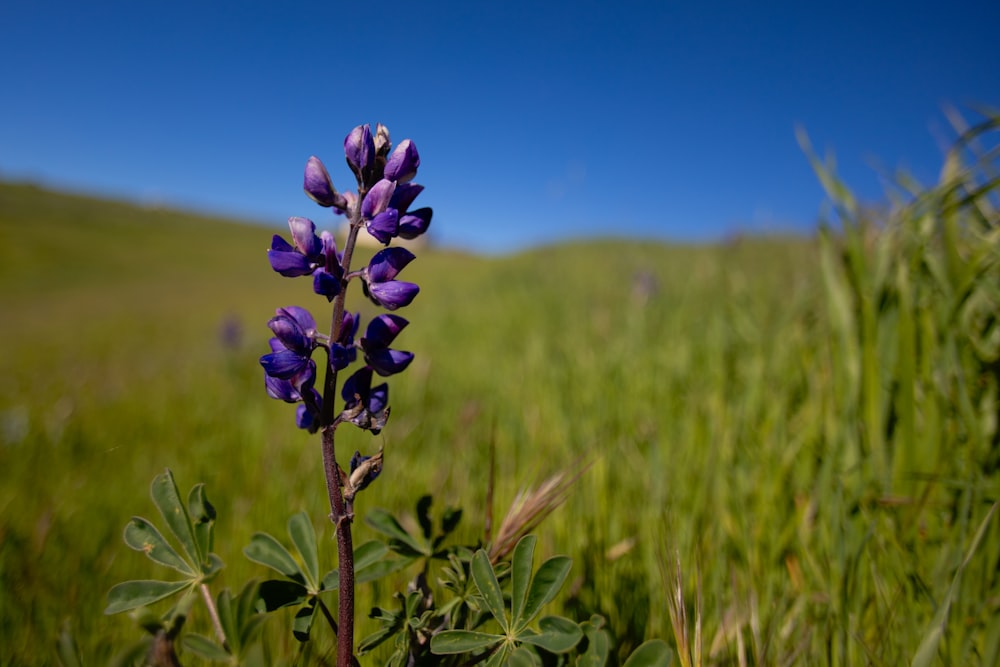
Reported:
(489, 587)
(204, 647)
(143, 536)
(266, 550)
(168, 500)
(368, 554)
(202, 515)
(654, 653)
(139, 593)
(382, 568)
(277, 593)
(303, 535)
(462, 641)
(386, 523)
(228, 620)
(598, 643)
(557, 635)
(213, 565)
(450, 520)
(368, 565)
(424, 515)
(546, 584)
(302, 624)
(523, 657)
(520, 573)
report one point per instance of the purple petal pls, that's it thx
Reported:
(318, 185)
(404, 195)
(359, 147)
(393, 294)
(386, 264)
(389, 362)
(288, 263)
(306, 420)
(341, 357)
(281, 389)
(304, 236)
(378, 398)
(291, 335)
(330, 252)
(283, 364)
(326, 284)
(357, 385)
(415, 223)
(349, 328)
(384, 225)
(402, 164)
(377, 199)
(301, 316)
(382, 330)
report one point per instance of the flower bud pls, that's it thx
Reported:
(319, 187)
(402, 164)
(359, 147)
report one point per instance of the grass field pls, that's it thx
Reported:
(805, 429)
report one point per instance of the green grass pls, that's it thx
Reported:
(741, 405)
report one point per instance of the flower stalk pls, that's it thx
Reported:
(380, 205)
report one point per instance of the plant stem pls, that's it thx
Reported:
(340, 514)
(345, 552)
(220, 634)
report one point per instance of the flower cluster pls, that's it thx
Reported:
(381, 205)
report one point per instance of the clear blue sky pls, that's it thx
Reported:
(536, 121)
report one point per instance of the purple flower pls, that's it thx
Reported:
(402, 164)
(301, 258)
(291, 348)
(319, 187)
(379, 276)
(403, 196)
(342, 351)
(414, 223)
(381, 221)
(381, 331)
(359, 147)
(328, 276)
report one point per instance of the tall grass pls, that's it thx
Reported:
(801, 431)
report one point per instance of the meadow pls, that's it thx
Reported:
(793, 440)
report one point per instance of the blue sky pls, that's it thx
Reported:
(536, 121)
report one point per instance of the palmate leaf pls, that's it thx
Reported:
(202, 515)
(368, 565)
(167, 500)
(520, 576)
(545, 586)
(598, 643)
(489, 588)
(400, 540)
(303, 535)
(462, 641)
(139, 593)
(557, 635)
(268, 551)
(204, 647)
(302, 624)
(143, 536)
(277, 593)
